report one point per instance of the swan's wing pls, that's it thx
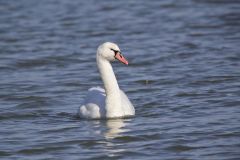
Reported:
(94, 104)
(127, 106)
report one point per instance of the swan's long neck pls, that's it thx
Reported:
(113, 99)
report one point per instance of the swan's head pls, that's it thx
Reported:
(110, 51)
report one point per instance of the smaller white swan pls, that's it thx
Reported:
(110, 102)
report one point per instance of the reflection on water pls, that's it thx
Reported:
(115, 128)
(110, 130)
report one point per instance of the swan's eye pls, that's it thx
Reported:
(115, 51)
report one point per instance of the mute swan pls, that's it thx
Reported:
(110, 102)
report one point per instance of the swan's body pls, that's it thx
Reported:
(110, 102)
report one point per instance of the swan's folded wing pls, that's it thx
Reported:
(94, 104)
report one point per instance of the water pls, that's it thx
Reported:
(183, 79)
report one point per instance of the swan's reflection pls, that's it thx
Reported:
(111, 129)
(114, 128)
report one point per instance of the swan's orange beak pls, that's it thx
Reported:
(120, 57)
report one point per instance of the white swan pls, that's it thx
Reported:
(110, 102)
